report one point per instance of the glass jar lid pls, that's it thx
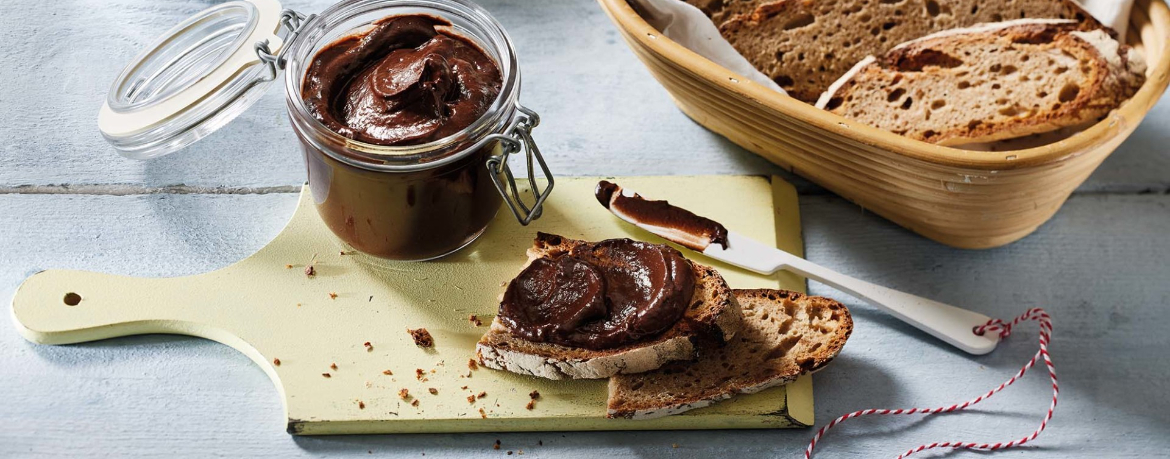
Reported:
(194, 79)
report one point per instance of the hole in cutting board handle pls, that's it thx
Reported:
(72, 299)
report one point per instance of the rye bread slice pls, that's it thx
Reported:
(785, 334)
(805, 45)
(990, 82)
(713, 317)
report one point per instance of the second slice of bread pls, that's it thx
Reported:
(990, 82)
(785, 334)
(713, 316)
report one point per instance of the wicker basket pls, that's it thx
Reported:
(960, 198)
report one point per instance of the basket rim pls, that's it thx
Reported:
(1153, 13)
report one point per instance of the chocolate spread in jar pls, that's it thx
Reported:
(404, 82)
(674, 223)
(599, 296)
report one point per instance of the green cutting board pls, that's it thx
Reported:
(268, 310)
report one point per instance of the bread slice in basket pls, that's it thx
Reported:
(785, 334)
(713, 316)
(805, 45)
(990, 82)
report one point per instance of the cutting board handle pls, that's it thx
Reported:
(64, 306)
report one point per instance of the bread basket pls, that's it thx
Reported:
(967, 199)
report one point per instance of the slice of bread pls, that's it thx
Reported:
(785, 334)
(990, 82)
(805, 45)
(713, 317)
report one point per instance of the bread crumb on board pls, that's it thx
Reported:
(388, 372)
(276, 362)
(531, 404)
(471, 399)
(414, 403)
(474, 319)
(483, 414)
(361, 405)
(497, 445)
(369, 347)
(433, 390)
(422, 338)
(481, 395)
(404, 393)
(472, 364)
(534, 394)
(332, 295)
(333, 366)
(327, 375)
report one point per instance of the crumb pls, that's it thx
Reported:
(497, 445)
(483, 414)
(419, 374)
(414, 403)
(475, 320)
(509, 453)
(298, 305)
(481, 395)
(387, 372)
(463, 388)
(276, 362)
(369, 347)
(471, 364)
(361, 405)
(327, 375)
(332, 296)
(333, 366)
(432, 371)
(531, 404)
(403, 393)
(470, 399)
(674, 445)
(344, 253)
(371, 298)
(433, 391)
(310, 271)
(503, 284)
(422, 338)
(287, 266)
(534, 394)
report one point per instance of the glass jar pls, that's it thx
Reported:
(414, 202)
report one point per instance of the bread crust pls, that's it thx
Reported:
(712, 318)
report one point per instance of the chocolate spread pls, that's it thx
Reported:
(599, 296)
(404, 82)
(676, 224)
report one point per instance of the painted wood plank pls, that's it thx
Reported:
(1098, 266)
(602, 113)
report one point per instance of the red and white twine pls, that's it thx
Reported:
(1004, 329)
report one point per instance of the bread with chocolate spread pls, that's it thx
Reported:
(568, 316)
(785, 334)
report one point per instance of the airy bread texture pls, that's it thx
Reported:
(990, 82)
(805, 45)
(713, 317)
(785, 334)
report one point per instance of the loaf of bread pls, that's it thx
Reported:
(805, 45)
(712, 317)
(990, 82)
(785, 334)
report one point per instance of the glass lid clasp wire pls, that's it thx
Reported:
(519, 137)
(291, 21)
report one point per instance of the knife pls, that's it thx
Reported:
(951, 324)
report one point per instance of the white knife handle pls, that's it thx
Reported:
(948, 323)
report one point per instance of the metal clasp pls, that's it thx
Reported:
(517, 137)
(291, 21)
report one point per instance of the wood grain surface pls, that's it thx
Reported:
(67, 201)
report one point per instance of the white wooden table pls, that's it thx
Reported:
(67, 201)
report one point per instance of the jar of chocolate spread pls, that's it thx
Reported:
(406, 111)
